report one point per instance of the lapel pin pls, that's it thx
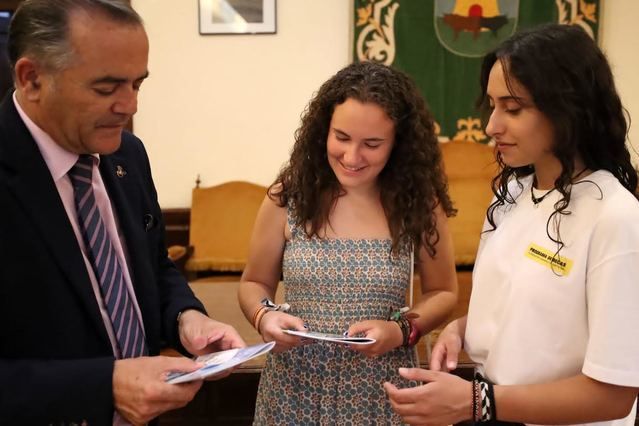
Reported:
(149, 222)
(120, 172)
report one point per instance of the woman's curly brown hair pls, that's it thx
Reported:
(411, 184)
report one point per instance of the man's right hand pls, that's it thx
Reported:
(140, 391)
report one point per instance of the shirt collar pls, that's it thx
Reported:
(58, 160)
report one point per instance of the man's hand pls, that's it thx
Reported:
(140, 391)
(201, 335)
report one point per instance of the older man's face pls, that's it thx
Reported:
(85, 106)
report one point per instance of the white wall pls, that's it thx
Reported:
(619, 37)
(226, 106)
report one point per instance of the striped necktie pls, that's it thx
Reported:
(105, 263)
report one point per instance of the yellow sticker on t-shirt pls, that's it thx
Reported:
(559, 264)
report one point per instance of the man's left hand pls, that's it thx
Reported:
(201, 335)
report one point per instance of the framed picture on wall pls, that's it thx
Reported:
(237, 16)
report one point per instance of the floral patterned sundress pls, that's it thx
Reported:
(331, 284)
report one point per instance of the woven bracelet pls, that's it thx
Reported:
(486, 411)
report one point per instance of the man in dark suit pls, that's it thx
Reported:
(87, 294)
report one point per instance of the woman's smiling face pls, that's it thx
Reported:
(360, 140)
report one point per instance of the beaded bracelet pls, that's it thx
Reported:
(473, 406)
(477, 401)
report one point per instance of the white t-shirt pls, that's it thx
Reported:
(536, 317)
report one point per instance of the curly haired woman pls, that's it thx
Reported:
(362, 194)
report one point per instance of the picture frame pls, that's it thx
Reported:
(237, 16)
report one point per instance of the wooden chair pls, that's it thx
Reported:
(222, 219)
(470, 167)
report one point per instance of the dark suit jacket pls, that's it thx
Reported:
(56, 362)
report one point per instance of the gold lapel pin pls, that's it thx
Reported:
(120, 172)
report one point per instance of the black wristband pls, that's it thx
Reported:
(491, 397)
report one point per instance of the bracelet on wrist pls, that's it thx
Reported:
(484, 400)
(491, 397)
(404, 328)
(415, 333)
(410, 332)
(271, 306)
(476, 402)
(486, 410)
(258, 320)
(256, 314)
(395, 315)
(266, 305)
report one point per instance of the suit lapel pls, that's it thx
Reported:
(34, 189)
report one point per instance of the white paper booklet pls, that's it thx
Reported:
(217, 362)
(335, 338)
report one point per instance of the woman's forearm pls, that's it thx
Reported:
(578, 399)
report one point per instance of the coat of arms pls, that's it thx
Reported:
(472, 28)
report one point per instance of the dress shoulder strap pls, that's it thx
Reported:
(290, 220)
(411, 291)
